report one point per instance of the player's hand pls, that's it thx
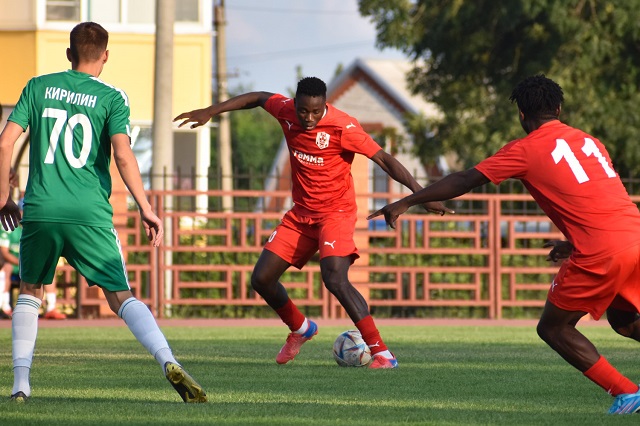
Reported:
(152, 227)
(391, 213)
(437, 207)
(561, 250)
(10, 215)
(198, 117)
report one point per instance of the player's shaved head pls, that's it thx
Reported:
(87, 42)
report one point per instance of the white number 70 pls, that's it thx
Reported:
(61, 118)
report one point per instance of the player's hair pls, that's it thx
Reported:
(87, 42)
(538, 97)
(311, 86)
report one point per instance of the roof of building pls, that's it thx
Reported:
(390, 76)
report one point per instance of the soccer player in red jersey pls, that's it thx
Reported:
(569, 174)
(322, 142)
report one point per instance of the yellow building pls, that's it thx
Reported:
(34, 35)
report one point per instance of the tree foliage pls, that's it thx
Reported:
(255, 139)
(468, 56)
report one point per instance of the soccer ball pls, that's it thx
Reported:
(350, 350)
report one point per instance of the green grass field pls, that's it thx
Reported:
(447, 376)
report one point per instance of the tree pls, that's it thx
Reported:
(255, 138)
(468, 56)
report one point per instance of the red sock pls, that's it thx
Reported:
(371, 335)
(608, 378)
(291, 316)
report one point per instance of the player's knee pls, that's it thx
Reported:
(260, 280)
(631, 331)
(546, 332)
(624, 323)
(335, 286)
(114, 305)
(256, 283)
(541, 330)
(335, 279)
(114, 309)
(625, 331)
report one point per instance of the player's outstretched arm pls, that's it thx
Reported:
(400, 174)
(9, 211)
(245, 101)
(449, 187)
(130, 172)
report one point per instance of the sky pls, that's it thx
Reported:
(267, 40)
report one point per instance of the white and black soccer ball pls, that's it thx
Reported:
(350, 350)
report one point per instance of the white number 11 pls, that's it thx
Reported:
(563, 151)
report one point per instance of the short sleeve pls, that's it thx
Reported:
(355, 139)
(509, 162)
(119, 115)
(275, 103)
(20, 114)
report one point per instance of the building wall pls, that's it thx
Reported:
(130, 66)
(17, 49)
(364, 103)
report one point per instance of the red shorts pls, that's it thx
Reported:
(595, 286)
(299, 237)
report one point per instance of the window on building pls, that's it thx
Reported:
(118, 11)
(104, 10)
(63, 10)
(141, 145)
(188, 11)
(141, 11)
(184, 154)
(379, 183)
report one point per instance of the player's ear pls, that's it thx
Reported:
(105, 56)
(69, 57)
(521, 115)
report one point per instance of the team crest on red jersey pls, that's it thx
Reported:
(322, 140)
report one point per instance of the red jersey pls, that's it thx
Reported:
(321, 158)
(569, 174)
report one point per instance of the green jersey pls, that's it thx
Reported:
(11, 240)
(71, 116)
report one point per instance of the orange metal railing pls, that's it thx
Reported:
(485, 261)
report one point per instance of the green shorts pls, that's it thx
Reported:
(92, 251)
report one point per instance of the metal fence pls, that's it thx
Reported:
(486, 261)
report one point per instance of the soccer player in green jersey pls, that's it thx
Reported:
(10, 272)
(75, 121)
